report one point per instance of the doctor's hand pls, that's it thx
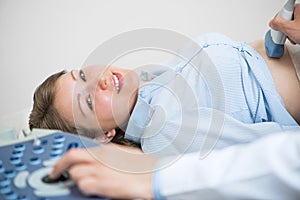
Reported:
(290, 28)
(108, 171)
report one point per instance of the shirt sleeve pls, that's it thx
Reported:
(268, 168)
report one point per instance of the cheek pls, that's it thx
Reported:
(103, 100)
(103, 103)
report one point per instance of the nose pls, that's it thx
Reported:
(103, 83)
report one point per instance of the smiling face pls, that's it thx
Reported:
(97, 96)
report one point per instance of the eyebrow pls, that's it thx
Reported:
(73, 75)
(79, 105)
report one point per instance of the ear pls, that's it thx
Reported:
(108, 136)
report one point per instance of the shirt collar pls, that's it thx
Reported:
(140, 117)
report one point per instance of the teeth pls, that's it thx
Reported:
(116, 82)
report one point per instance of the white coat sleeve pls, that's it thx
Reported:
(268, 168)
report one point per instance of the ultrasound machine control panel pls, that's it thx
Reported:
(25, 164)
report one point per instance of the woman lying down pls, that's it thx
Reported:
(221, 93)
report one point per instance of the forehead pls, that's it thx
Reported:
(63, 100)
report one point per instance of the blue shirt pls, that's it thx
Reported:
(181, 109)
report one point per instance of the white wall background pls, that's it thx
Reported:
(40, 37)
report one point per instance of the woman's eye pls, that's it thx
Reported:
(82, 75)
(89, 102)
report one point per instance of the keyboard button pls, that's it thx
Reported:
(10, 173)
(52, 193)
(49, 163)
(5, 189)
(15, 160)
(59, 138)
(56, 151)
(20, 180)
(34, 161)
(22, 197)
(11, 195)
(58, 144)
(4, 181)
(55, 156)
(72, 145)
(20, 166)
(19, 147)
(17, 154)
(37, 149)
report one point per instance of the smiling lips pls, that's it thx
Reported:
(117, 80)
